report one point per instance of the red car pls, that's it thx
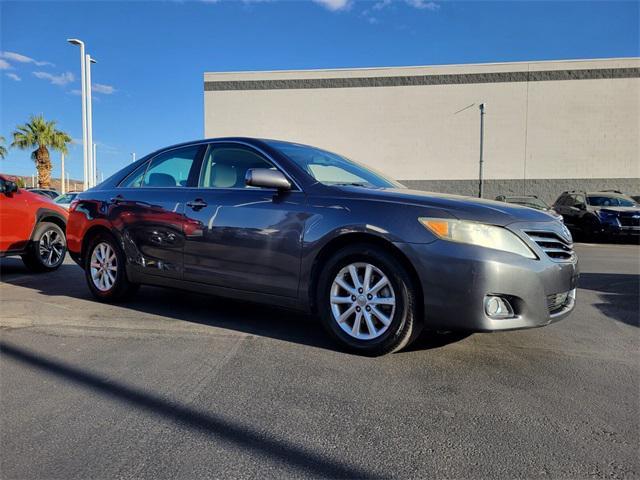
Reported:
(31, 226)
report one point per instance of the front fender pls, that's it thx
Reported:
(332, 219)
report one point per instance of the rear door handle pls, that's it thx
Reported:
(117, 199)
(197, 204)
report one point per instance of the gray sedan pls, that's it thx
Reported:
(296, 226)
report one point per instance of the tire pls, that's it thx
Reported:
(592, 230)
(106, 275)
(47, 248)
(334, 301)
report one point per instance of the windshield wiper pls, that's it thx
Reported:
(351, 184)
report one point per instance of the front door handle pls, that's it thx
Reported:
(197, 204)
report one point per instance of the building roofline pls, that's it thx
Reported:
(444, 65)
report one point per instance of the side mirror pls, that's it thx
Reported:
(10, 187)
(267, 178)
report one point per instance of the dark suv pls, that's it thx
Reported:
(599, 214)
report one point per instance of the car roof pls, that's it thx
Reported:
(250, 140)
(597, 192)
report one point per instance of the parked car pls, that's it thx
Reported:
(31, 226)
(65, 199)
(296, 226)
(599, 214)
(47, 192)
(530, 201)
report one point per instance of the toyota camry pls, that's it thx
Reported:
(299, 227)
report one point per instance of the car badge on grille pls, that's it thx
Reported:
(566, 233)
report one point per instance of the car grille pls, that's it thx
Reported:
(557, 248)
(629, 221)
(557, 301)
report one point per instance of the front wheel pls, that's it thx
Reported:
(105, 272)
(368, 301)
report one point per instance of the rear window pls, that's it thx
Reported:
(166, 170)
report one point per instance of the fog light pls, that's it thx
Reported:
(497, 307)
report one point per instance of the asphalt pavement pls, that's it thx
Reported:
(179, 385)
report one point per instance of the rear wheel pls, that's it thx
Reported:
(367, 301)
(105, 270)
(46, 249)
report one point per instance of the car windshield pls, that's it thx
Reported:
(66, 198)
(610, 201)
(332, 169)
(531, 202)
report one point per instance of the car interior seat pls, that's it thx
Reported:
(161, 180)
(223, 176)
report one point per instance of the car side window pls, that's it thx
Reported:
(170, 169)
(579, 200)
(226, 166)
(134, 180)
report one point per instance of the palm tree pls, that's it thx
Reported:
(42, 135)
(3, 149)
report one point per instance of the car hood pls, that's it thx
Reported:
(463, 208)
(619, 209)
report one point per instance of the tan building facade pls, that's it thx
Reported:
(549, 126)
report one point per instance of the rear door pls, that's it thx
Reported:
(245, 238)
(148, 211)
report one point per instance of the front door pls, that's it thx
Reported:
(250, 237)
(567, 208)
(16, 220)
(148, 212)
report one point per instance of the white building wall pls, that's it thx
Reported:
(429, 134)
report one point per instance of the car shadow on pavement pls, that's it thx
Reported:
(253, 319)
(258, 443)
(619, 293)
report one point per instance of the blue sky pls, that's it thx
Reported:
(148, 85)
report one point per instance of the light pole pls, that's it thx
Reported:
(62, 173)
(95, 164)
(92, 166)
(85, 157)
(481, 179)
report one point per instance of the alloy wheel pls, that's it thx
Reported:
(104, 266)
(363, 301)
(51, 248)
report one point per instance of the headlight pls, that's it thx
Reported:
(480, 234)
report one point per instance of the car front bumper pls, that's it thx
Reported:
(618, 229)
(457, 278)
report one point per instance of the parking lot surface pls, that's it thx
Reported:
(179, 385)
